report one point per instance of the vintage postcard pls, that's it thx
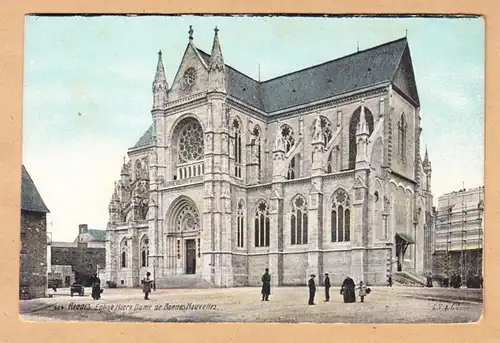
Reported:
(253, 169)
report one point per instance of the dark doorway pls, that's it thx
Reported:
(402, 242)
(190, 256)
(67, 281)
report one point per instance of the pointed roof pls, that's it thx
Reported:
(146, 139)
(30, 197)
(389, 62)
(216, 59)
(160, 77)
(426, 163)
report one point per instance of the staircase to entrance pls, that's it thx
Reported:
(408, 278)
(183, 281)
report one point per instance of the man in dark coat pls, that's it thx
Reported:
(348, 290)
(266, 285)
(312, 289)
(327, 287)
(96, 287)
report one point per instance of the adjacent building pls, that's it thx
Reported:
(33, 254)
(79, 260)
(315, 171)
(458, 238)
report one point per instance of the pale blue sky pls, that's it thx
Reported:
(103, 67)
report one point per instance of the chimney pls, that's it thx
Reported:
(83, 228)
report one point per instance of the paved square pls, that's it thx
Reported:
(287, 304)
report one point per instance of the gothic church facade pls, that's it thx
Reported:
(315, 171)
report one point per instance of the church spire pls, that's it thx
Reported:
(426, 163)
(362, 135)
(160, 85)
(216, 68)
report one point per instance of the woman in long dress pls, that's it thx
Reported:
(348, 290)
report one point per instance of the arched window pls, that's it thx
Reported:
(241, 225)
(261, 225)
(144, 246)
(123, 253)
(402, 129)
(298, 221)
(340, 217)
(293, 168)
(237, 147)
(256, 133)
(353, 125)
(287, 134)
(189, 148)
(326, 128)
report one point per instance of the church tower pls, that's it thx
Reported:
(216, 239)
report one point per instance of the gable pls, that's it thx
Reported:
(30, 197)
(404, 78)
(191, 59)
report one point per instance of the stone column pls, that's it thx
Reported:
(359, 224)
(315, 229)
(276, 234)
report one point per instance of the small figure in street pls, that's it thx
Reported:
(390, 281)
(312, 289)
(146, 286)
(348, 290)
(362, 291)
(327, 287)
(266, 285)
(96, 287)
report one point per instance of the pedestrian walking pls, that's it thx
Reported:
(362, 291)
(312, 289)
(348, 290)
(96, 287)
(327, 287)
(390, 281)
(266, 286)
(146, 286)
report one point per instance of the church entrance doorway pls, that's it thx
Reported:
(190, 256)
(402, 242)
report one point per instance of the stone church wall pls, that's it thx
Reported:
(295, 269)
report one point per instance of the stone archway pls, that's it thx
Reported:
(183, 236)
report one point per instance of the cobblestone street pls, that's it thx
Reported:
(287, 305)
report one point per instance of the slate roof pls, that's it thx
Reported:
(349, 73)
(146, 138)
(98, 235)
(346, 74)
(30, 197)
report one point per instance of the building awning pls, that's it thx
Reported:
(405, 237)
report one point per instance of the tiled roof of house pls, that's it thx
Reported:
(98, 235)
(30, 197)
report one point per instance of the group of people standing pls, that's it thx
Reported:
(348, 288)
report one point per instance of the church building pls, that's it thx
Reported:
(317, 171)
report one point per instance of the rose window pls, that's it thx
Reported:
(191, 143)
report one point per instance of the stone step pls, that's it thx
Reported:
(405, 278)
(183, 281)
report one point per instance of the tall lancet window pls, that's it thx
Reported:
(257, 137)
(287, 134)
(241, 225)
(144, 251)
(402, 129)
(237, 148)
(298, 221)
(123, 253)
(261, 225)
(340, 217)
(293, 168)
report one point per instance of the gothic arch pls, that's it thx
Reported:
(184, 216)
(326, 128)
(340, 216)
(187, 147)
(124, 253)
(144, 249)
(261, 224)
(237, 137)
(353, 124)
(288, 137)
(298, 220)
(240, 223)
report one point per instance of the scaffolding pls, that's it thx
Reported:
(457, 226)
